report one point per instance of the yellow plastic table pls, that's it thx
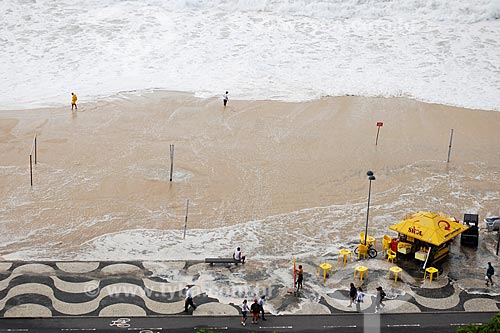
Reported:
(345, 253)
(431, 271)
(325, 267)
(396, 270)
(362, 270)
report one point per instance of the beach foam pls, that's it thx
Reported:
(445, 52)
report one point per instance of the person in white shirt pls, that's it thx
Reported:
(238, 256)
(359, 299)
(189, 300)
(244, 311)
(261, 303)
(225, 98)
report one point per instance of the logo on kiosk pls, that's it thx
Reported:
(446, 224)
(415, 231)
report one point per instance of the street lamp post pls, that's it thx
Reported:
(370, 177)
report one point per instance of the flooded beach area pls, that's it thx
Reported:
(276, 178)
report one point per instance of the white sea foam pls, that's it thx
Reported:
(441, 51)
(310, 232)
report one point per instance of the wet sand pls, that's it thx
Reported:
(278, 178)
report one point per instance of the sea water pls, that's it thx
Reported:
(444, 51)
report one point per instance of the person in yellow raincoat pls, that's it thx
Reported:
(73, 101)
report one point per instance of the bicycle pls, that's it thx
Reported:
(372, 252)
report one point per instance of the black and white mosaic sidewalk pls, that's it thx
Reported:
(46, 289)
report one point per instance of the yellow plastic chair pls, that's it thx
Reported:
(362, 251)
(386, 243)
(391, 255)
(369, 239)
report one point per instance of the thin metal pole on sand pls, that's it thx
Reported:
(35, 149)
(449, 148)
(171, 161)
(186, 219)
(31, 170)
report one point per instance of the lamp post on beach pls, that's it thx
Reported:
(370, 177)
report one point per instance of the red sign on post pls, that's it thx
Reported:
(379, 124)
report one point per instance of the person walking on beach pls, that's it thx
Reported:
(74, 98)
(352, 295)
(489, 274)
(225, 98)
(244, 311)
(189, 300)
(238, 256)
(379, 298)
(255, 309)
(300, 277)
(261, 305)
(359, 299)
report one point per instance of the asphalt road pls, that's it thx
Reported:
(352, 323)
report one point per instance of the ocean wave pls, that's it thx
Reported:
(456, 11)
(436, 51)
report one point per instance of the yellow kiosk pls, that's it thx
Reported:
(426, 236)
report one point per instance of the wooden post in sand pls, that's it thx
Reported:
(31, 171)
(186, 219)
(171, 161)
(449, 148)
(33, 150)
(35, 147)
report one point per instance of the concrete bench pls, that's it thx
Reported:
(212, 261)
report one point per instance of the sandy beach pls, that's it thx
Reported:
(277, 178)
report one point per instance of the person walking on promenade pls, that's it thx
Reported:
(74, 98)
(261, 305)
(379, 298)
(352, 295)
(359, 299)
(300, 278)
(238, 256)
(189, 300)
(255, 309)
(244, 311)
(489, 274)
(225, 98)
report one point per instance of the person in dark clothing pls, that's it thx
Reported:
(352, 295)
(379, 298)
(489, 273)
(300, 277)
(255, 309)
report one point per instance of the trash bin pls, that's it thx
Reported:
(470, 237)
(493, 223)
